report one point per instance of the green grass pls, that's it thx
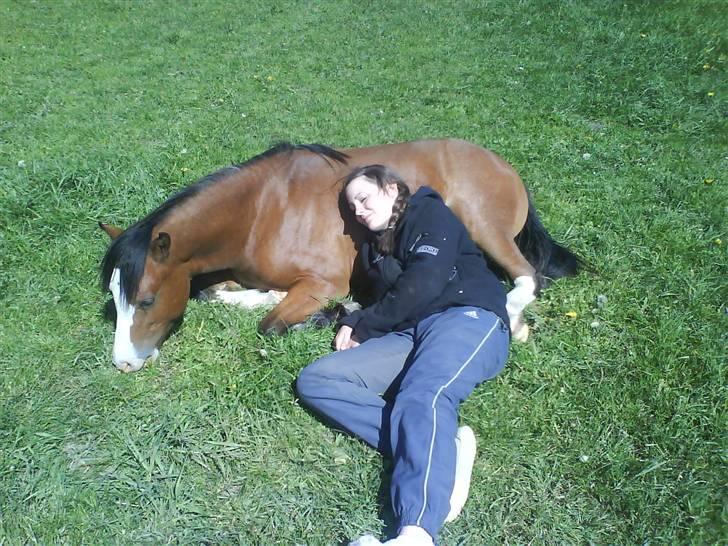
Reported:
(614, 114)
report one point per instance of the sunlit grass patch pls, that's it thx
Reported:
(607, 426)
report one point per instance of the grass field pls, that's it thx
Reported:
(607, 427)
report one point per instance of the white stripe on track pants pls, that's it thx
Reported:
(400, 393)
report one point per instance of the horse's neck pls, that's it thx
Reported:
(210, 230)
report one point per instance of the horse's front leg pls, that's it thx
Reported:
(305, 297)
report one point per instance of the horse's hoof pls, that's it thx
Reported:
(323, 318)
(275, 328)
(212, 292)
(520, 333)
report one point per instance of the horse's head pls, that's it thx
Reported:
(150, 291)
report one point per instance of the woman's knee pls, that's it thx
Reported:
(308, 381)
(315, 375)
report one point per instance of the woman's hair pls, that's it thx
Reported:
(383, 176)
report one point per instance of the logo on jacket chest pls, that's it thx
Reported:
(427, 249)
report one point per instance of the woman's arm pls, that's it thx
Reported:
(344, 338)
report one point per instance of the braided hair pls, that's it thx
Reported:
(383, 176)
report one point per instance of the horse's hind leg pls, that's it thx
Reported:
(507, 255)
(304, 298)
(522, 293)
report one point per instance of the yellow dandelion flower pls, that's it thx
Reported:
(718, 242)
(571, 314)
(706, 66)
(711, 93)
(708, 181)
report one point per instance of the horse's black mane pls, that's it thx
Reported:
(128, 251)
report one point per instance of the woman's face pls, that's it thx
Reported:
(371, 205)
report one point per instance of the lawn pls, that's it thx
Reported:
(607, 427)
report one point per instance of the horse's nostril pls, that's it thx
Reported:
(128, 367)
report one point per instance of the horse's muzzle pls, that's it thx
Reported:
(128, 365)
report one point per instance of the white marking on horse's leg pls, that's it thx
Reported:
(127, 357)
(249, 298)
(523, 293)
(350, 306)
(229, 286)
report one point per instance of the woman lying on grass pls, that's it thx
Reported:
(404, 365)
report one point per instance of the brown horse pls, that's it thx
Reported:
(277, 222)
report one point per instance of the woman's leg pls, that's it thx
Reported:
(345, 387)
(454, 351)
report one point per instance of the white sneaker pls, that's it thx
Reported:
(465, 458)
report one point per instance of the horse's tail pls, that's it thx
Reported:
(550, 260)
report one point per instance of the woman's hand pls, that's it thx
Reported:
(344, 339)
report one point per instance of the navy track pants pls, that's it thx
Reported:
(400, 393)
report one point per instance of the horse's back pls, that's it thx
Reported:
(308, 229)
(483, 190)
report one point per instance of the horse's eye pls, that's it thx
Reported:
(146, 303)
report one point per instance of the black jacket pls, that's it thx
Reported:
(435, 265)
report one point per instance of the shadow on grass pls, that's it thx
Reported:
(384, 501)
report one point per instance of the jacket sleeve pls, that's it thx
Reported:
(431, 253)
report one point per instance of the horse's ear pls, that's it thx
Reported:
(160, 247)
(111, 231)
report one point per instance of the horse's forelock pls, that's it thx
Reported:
(128, 253)
(129, 250)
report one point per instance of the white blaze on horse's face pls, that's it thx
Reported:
(128, 357)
